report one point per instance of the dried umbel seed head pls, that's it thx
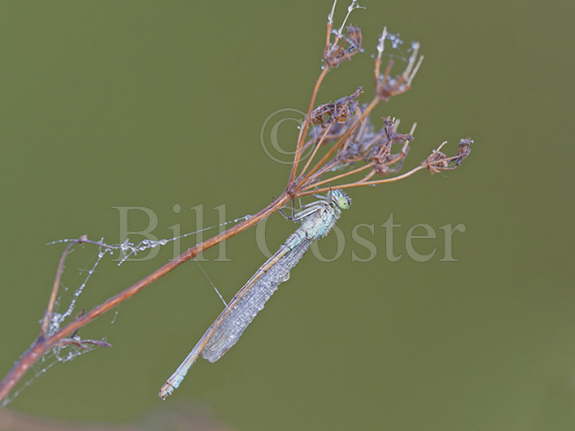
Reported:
(336, 112)
(354, 38)
(384, 160)
(375, 146)
(439, 161)
(344, 48)
(463, 151)
(388, 86)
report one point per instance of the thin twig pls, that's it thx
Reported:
(340, 176)
(44, 344)
(363, 184)
(329, 27)
(75, 341)
(314, 152)
(55, 289)
(367, 177)
(305, 126)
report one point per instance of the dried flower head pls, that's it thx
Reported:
(388, 86)
(345, 45)
(336, 112)
(351, 143)
(344, 48)
(439, 161)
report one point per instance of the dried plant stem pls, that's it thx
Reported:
(305, 126)
(340, 176)
(45, 343)
(55, 289)
(329, 27)
(363, 183)
(314, 152)
(367, 177)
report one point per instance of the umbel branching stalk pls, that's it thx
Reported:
(346, 150)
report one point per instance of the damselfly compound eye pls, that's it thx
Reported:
(342, 200)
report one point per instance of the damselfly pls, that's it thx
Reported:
(316, 220)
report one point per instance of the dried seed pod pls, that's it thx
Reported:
(439, 161)
(344, 48)
(388, 86)
(463, 151)
(337, 112)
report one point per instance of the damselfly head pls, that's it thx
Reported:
(340, 199)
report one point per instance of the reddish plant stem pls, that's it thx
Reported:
(43, 344)
(314, 152)
(303, 132)
(361, 183)
(340, 176)
(306, 123)
(55, 289)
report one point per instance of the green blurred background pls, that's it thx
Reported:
(147, 103)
